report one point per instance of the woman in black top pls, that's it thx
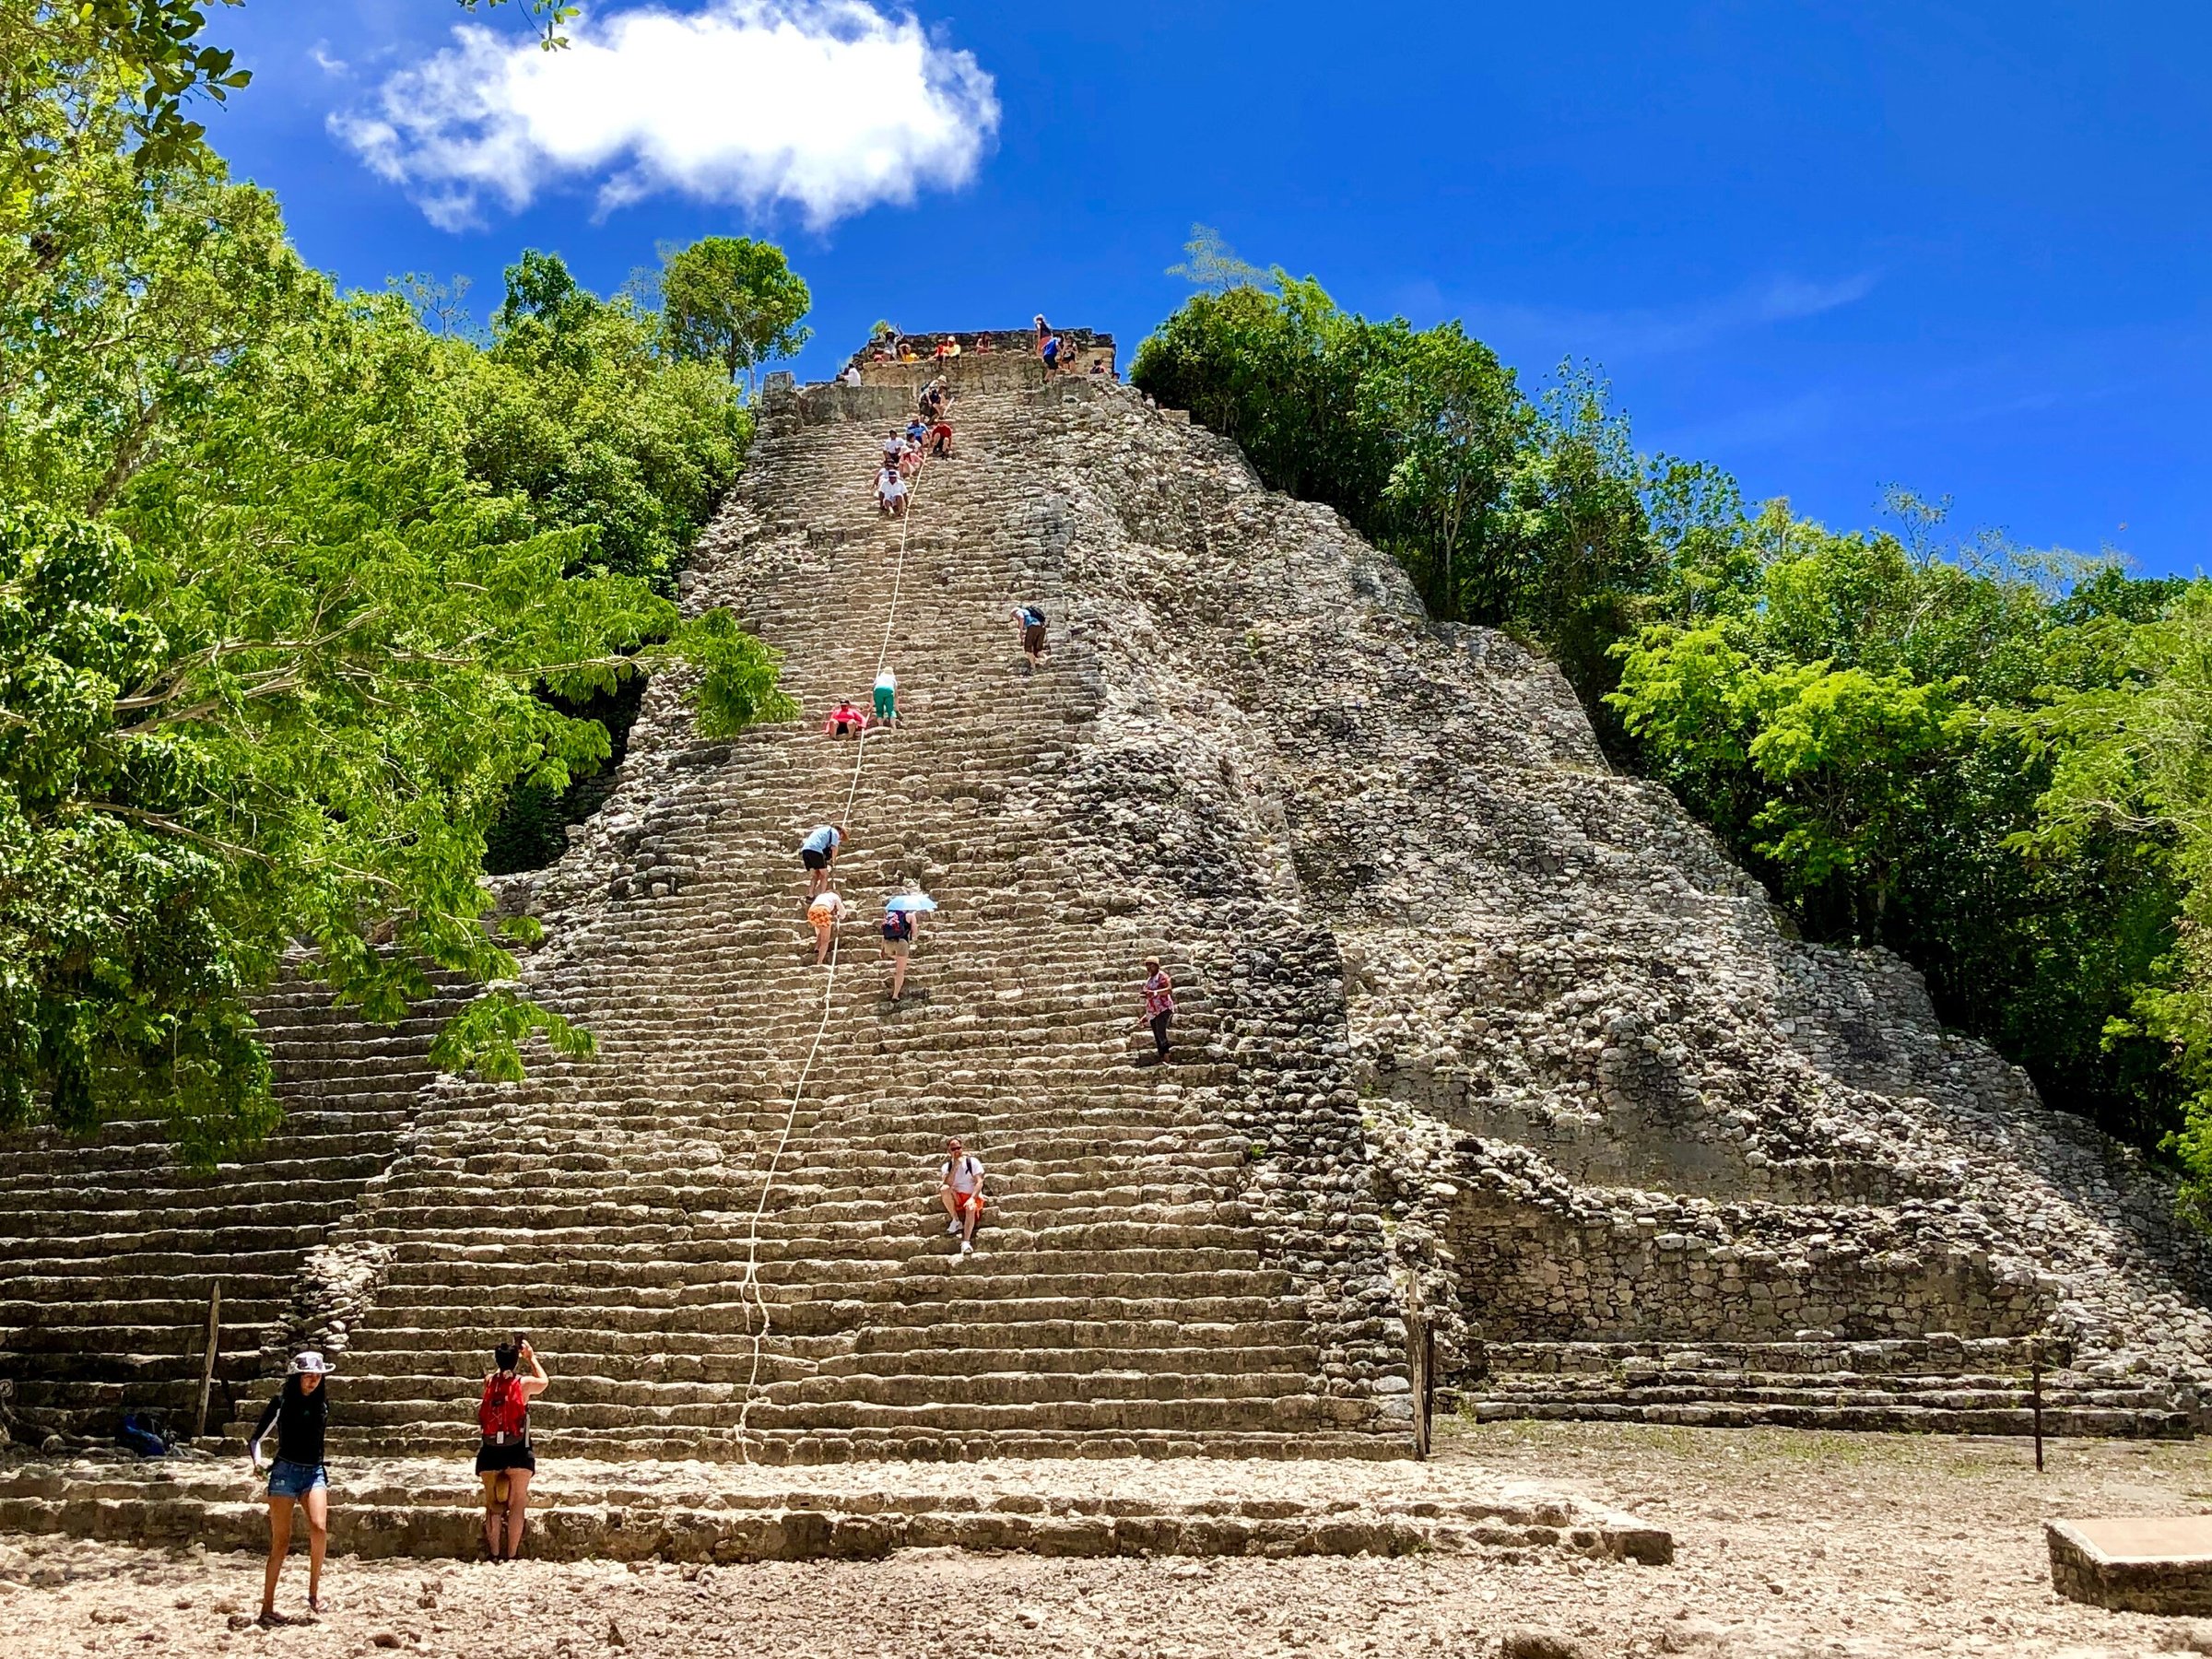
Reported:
(301, 1412)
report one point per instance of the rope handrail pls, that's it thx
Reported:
(751, 1279)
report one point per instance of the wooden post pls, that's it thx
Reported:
(2035, 1397)
(1421, 1353)
(215, 1330)
(1428, 1384)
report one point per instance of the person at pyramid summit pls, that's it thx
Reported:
(505, 1461)
(824, 912)
(961, 1190)
(299, 1413)
(817, 852)
(845, 720)
(1050, 352)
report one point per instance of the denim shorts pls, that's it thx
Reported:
(295, 1479)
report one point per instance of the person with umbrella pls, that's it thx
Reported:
(899, 932)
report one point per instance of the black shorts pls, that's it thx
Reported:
(1033, 637)
(813, 860)
(494, 1459)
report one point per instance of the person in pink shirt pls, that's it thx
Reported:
(1160, 1003)
(845, 721)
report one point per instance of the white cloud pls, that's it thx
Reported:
(320, 52)
(830, 106)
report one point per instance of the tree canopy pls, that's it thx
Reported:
(297, 596)
(731, 300)
(1988, 759)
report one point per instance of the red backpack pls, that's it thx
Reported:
(505, 1409)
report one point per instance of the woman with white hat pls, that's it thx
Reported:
(301, 1412)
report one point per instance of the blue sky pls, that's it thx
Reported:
(1829, 246)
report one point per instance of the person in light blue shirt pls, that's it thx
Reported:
(817, 852)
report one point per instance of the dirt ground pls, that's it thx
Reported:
(1787, 1545)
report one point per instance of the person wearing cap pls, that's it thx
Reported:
(961, 1190)
(299, 1413)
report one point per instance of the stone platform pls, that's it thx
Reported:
(2135, 1563)
(698, 1512)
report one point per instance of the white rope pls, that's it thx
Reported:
(751, 1280)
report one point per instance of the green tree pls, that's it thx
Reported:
(275, 647)
(1453, 422)
(731, 300)
(1210, 264)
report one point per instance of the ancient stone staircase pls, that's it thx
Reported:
(1118, 1299)
(1474, 1025)
(1938, 1384)
(111, 1250)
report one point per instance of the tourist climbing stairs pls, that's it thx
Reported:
(715, 1261)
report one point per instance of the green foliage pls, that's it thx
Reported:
(1847, 711)
(137, 63)
(1210, 264)
(295, 597)
(572, 415)
(548, 15)
(1992, 759)
(1515, 513)
(731, 301)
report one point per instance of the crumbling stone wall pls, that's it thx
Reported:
(1602, 1087)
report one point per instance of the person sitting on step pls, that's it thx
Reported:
(504, 1460)
(824, 912)
(894, 447)
(934, 396)
(817, 852)
(1029, 622)
(901, 929)
(961, 1190)
(916, 431)
(887, 696)
(845, 720)
(299, 1413)
(891, 492)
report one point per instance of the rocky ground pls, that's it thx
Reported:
(1787, 1545)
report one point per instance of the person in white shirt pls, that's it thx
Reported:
(824, 912)
(891, 492)
(887, 695)
(852, 374)
(961, 1190)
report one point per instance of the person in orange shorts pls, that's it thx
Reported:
(961, 1190)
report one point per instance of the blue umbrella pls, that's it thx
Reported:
(910, 902)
